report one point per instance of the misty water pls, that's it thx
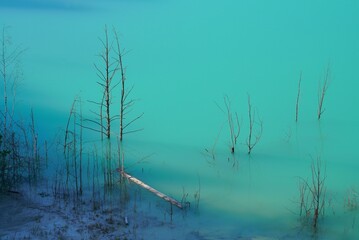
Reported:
(184, 58)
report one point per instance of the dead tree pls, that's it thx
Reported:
(126, 104)
(298, 96)
(10, 74)
(73, 147)
(110, 66)
(318, 191)
(313, 194)
(106, 72)
(81, 146)
(108, 69)
(35, 150)
(233, 125)
(253, 138)
(304, 206)
(322, 92)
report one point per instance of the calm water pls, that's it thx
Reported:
(183, 57)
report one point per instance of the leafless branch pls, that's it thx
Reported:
(234, 127)
(322, 92)
(251, 115)
(133, 120)
(298, 96)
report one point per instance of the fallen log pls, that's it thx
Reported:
(151, 189)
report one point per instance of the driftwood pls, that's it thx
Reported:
(151, 189)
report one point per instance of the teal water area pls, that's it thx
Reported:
(183, 57)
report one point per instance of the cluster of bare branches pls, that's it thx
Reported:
(73, 148)
(233, 124)
(298, 96)
(253, 137)
(322, 92)
(312, 194)
(255, 129)
(352, 199)
(126, 104)
(11, 74)
(112, 83)
(106, 74)
(18, 140)
(110, 66)
(211, 152)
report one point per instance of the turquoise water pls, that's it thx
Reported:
(183, 57)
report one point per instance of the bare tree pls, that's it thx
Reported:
(322, 91)
(35, 147)
(21, 162)
(10, 73)
(106, 72)
(304, 206)
(251, 143)
(298, 96)
(313, 194)
(112, 64)
(68, 144)
(81, 145)
(126, 104)
(318, 190)
(210, 152)
(108, 69)
(73, 147)
(233, 124)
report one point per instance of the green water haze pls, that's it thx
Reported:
(183, 58)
